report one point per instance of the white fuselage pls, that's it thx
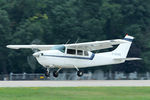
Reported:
(55, 58)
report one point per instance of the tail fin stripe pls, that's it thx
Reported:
(128, 39)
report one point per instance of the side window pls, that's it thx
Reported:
(71, 51)
(86, 53)
(79, 52)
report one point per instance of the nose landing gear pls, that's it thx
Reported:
(55, 73)
(47, 73)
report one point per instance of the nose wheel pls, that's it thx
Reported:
(47, 73)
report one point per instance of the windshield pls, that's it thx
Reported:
(59, 47)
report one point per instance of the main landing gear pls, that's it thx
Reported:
(56, 73)
(79, 73)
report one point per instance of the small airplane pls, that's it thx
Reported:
(80, 55)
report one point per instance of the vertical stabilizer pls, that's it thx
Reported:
(123, 49)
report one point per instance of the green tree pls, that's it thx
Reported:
(5, 35)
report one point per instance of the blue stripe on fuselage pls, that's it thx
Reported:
(86, 58)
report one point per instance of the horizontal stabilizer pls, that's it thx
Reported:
(128, 59)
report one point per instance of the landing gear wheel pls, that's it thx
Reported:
(79, 73)
(55, 74)
(47, 74)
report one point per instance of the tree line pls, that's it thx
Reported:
(57, 21)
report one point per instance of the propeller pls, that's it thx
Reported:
(31, 59)
(32, 62)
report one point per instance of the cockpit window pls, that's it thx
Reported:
(71, 51)
(59, 47)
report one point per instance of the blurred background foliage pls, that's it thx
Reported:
(57, 21)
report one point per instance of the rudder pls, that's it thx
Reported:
(123, 49)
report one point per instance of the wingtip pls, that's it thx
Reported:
(7, 46)
(11, 47)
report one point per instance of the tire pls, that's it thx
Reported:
(55, 74)
(79, 73)
(47, 74)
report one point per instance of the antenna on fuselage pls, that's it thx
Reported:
(67, 41)
(77, 40)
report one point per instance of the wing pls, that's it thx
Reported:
(87, 46)
(97, 45)
(39, 47)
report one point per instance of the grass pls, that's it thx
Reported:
(75, 93)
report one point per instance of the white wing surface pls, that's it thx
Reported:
(87, 46)
(39, 47)
(97, 45)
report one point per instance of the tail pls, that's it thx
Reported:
(123, 49)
